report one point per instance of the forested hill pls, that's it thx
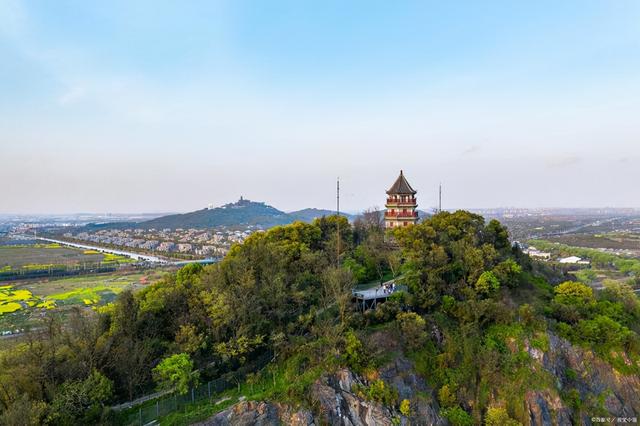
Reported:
(241, 213)
(479, 335)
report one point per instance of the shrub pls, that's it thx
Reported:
(497, 416)
(412, 327)
(448, 303)
(405, 408)
(378, 391)
(457, 416)
(354, 356)
(573, 293)
(447, 396)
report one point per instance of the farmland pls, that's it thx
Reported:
(22, 305)
(620, 241)
(43, 256)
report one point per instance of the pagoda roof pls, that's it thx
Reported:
(401, 186)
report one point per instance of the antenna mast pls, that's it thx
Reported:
(440, 198)
(338, 220)
(338, 197)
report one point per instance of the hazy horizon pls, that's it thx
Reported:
(143, 107)
(348, 211)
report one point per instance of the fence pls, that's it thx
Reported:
(56, 271)
(150, 411)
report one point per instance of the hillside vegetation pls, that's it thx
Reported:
(481, 336)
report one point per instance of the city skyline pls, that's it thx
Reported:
(142, 107)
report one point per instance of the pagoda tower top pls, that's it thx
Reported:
(401, 186)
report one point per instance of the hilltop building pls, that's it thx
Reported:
(401, 204)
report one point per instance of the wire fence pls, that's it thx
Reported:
(148, 412)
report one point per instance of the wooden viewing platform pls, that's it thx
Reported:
(368, 298)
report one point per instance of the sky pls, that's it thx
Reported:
(165, 106)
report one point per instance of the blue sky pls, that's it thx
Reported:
(129, 106)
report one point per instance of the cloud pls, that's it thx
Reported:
(563, 161)
(472, 149)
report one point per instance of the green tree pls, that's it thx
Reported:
(412, 327)
(238, 348)
(573, 293)
(337, 286)
(24, 412)
(176, 372)
(623, 293)
(354, 353)
(81, 399)
(487, 283)
(508, 272)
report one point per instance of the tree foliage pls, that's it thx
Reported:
(175, 372)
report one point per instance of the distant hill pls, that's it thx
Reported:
(307, 215)
(241, 213)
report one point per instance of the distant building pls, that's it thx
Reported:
(535, 253)
(185, 248)
(401, 204)
(166, 246)
(574, 260)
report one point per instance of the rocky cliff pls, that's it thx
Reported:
(335, 400)
(599, 388)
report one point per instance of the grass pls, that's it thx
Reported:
(86, 295)
(197, 412)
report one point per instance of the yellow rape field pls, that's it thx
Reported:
(6, 308)
(9, 299)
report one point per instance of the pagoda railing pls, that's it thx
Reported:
(400, 214)
(392, 200)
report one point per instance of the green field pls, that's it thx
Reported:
(46, 256)
(22, 304)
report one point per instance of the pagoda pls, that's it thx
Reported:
(401, 204)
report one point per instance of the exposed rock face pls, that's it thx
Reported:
(411, 386)
(596, 382)
(335, 401)
(337, 404)
(546, 408)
